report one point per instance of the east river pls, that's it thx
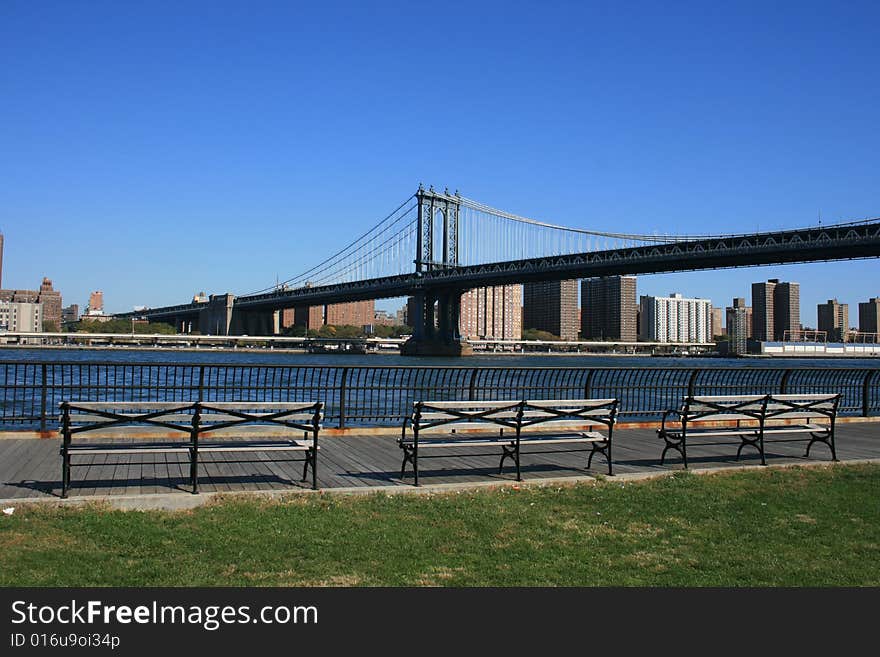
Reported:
(277, 357)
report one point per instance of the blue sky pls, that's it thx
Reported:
(152, 150)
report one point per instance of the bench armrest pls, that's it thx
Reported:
(666, 414)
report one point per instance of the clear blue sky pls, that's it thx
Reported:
(153, 150)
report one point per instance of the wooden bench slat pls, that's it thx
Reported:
(116, 406)
(255, 446)
(464, 442)
(568, 403)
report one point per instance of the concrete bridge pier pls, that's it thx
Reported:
(435, 332)
(255, 322)
(216, 317)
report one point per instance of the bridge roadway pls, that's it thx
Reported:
(814, 244)
(30, 468)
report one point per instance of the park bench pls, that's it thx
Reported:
(509, 425)
(752, 419)
(193, 428)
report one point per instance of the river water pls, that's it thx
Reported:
(267, 357)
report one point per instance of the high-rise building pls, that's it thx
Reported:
(675, 319)
(492, 312)
(608, 308)
(739, 306)
(739, 325)
(355, 313)
(776, 310)
(762, 310)
(70, 314)
(833, 318)
(551, 306)
(787, 310)
(869, 316)
(21, 316)
(717, 323)
(51, 300)
(96, 303)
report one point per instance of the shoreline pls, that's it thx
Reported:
(570, 354)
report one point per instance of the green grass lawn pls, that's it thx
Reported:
(774, 527)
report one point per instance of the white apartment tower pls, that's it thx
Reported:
(675, 319)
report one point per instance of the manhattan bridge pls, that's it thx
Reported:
(437, 245)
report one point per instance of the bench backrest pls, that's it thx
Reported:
(561, 413)
(462, 415)
(724, 407)
(214, 416)
(428, 415)
(188, 416)
(84, 415)
(797, 406)
(802, 406)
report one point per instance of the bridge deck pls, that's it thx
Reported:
(31, 468)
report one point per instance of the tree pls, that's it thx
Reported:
(49, 326)
(537, 334)
(123, 326)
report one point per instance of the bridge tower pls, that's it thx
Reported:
(435, 330)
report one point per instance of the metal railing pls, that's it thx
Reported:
(360, 396)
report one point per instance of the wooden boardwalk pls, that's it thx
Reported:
(31, 468)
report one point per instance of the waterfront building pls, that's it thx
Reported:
(96, 303)
(551, 306)
(833, 318)
(492, 313)
(776, 311)
(762, 310)
(675, 319)
(787, 310)
(355, 313)
(869, 316)
(739, 307)
(49, 298)
(21, 316)
(717, 323)
(739, 325)
(70, 314)
(608, 308)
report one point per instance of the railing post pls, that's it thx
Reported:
(43, 399)
(783, 385)
(201, 397)
(471, 385)
(588, 386)
(692, 382)
(866, 397)
(343, 387)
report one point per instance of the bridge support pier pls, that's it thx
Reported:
(435, 332)
(216, 316)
